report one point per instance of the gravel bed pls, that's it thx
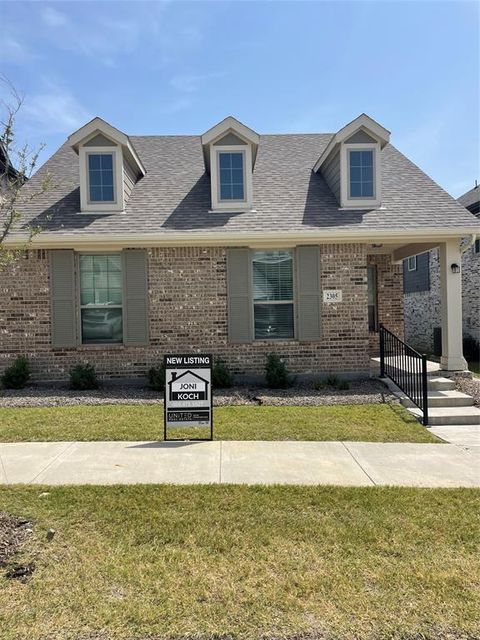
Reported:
(470, 386)
(360, 392)
(61, 395)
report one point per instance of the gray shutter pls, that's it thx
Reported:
(135, 298)
(308, 293)
(62, 296)
(240, 323)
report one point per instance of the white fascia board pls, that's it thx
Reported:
(97, 125)
(362, 122)
(136, 159)
(230, 124)
(326, 152)
(368, 123)
(45, 240)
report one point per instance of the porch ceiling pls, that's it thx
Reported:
(400, 251)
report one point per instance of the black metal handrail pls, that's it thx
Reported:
(406, 367)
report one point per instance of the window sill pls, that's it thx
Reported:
(100, 346)
(361, 205)
(274, 340)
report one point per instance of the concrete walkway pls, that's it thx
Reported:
(465, 435)
(286, 462)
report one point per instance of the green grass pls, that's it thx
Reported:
(245, 562)
(374, 423)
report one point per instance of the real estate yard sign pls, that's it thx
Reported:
(188, 392)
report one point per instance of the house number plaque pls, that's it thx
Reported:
(332, 295)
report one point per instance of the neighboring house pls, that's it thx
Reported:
(421, 280)
(231, 243)
(7, 170)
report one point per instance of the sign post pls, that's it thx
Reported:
(188, 393)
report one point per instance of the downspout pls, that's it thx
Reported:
(469, 244)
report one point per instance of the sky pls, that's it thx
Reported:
(279, 67)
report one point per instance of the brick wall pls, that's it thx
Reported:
(423, 310)
(471, 293)
(389, 298)
(188, 312)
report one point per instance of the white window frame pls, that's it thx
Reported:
(347, 201)
(414, 263)
(81, 306)
(86, 205)
(231, 205)
(293, 302)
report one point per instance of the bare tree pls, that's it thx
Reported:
(17, 164)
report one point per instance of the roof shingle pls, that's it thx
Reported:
(174, 195)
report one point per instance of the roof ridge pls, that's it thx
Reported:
(195, 135)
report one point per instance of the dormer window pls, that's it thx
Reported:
(231, 175)
(109, 167)
(350, 164)
(360, 176)
(361, 164)
(100, 177)
(230, 150)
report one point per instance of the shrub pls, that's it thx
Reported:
(83, 377)
(221, 376)
(332, 381)
(156, 378)
(16, 375)
(276, 373)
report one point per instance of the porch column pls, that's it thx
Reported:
(451, 307)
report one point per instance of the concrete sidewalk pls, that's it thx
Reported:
(285, 462)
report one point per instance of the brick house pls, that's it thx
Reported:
(422, 289)
(231, 242)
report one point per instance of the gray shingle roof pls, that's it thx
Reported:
(174, 196)
(471, 200)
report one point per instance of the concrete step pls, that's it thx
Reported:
(444, 399)
(449, 415)
(440, 384)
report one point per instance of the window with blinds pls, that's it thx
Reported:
(101, 298)
(273, 294)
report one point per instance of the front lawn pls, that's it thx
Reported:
(373, 423)
(236, 562)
